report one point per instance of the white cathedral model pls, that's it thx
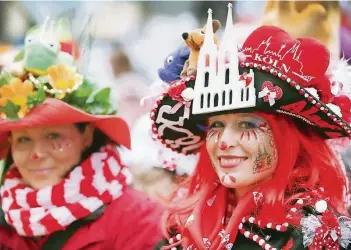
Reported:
(218, 90)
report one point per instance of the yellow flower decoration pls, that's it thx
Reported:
(17, 92)
(63, 80)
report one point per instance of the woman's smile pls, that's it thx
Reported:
(42, 171)
(230, 161)
(242, 153)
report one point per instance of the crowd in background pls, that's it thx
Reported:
(123, 44)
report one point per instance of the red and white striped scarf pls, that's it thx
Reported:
(98, 180)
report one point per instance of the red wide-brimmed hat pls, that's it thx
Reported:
(44, 88)
(56, 112)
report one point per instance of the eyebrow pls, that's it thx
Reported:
(252, 116)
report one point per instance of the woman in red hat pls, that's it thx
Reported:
(260, 117)
(63, 184)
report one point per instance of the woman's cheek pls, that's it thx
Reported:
(20, 157)
(263, 153)
(62, 145)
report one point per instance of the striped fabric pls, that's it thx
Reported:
(100, 179)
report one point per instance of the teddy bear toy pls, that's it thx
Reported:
(194, 40)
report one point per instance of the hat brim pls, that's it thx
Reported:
(185, 133)
(55, 112)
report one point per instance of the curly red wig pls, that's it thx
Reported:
(306, 165)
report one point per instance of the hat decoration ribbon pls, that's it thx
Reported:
(316, 231)
(179, 92)
(270, 93)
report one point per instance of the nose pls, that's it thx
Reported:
(229, 138)
(39, 150)
(185, 35)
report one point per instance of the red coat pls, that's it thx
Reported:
(132, 222)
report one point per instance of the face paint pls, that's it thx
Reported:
(44, 155)
(228, 179)
(263, 160)
(248, 135)
(249, 158)
(263, 127)
(35, 156)
(216, 133)
(222, 145)
(61, 144)
(203, 128)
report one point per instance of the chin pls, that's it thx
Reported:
(36, 185)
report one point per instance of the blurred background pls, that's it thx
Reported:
(124, 43)
(146, 31)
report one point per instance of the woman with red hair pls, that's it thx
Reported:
(267, 177)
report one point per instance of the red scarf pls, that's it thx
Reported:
(99, 180)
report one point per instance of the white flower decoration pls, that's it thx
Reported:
(335, 108)
(321, 206)
(188, 94)
(313, 92)
(340, 79)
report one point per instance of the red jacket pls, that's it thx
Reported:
(132, 222)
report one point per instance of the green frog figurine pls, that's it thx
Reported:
(42, 50)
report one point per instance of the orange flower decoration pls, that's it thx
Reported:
(17, 92)
(63, 79)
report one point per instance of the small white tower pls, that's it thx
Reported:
(217, 85)
(206, 68)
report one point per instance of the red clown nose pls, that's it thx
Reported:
(223, 145)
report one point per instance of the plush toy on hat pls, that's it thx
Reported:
(173, 64)
(53, 90)
(278, 73)
(42, 49)
(194, 40)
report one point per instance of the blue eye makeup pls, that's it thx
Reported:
(203, 128)
(250, 124)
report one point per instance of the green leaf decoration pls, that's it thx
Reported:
(98, 108)
(80, 97)
(35, 99)
(19, 56)
(86, 98)
(100, 104)
(5, 78)
(10, 110)
(102, 96)
(83, 93)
